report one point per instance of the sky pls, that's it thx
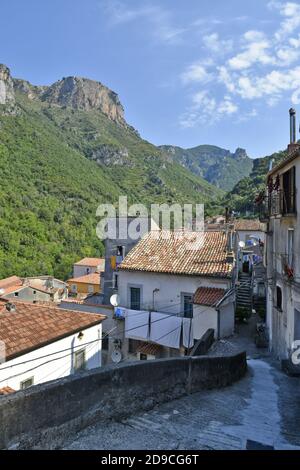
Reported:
(188, 72)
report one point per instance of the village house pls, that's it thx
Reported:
(88, 266)
(171, 291)
(34, 289)
(85, 285)
(279, 208)
(86, 278)
(43, 342)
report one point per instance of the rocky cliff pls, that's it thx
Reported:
(74, 92)
(84, 94)
(7, 96)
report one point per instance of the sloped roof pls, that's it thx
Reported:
(11, 284)
(208, 296)
(31, 326)
(190, 253)
(149, 348)
(248, 225)
(6, 390)
(93, 278)
(92, 262)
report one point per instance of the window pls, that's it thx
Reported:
(290, 247)
(88, 270)
(143, 357)
(289, 191)
(187, 305)
(121, 251)
(115, 281)
(91, 289)
(73, 288)
(79, 360)
(16, 294)
(279, 298)
(27, 383)
(135, 298)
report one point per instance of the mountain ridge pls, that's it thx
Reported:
(218, 166)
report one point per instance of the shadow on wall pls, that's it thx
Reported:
(46, 415)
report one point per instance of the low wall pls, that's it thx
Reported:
(46, 415)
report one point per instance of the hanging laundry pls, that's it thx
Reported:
(187, 333)
(137, 324)
(165, 329)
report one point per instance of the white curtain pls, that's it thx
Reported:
(137, 324)
(165, 329)
(188, 334)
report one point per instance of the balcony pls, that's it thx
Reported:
(277, 203)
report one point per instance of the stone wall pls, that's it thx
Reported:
(46, 415)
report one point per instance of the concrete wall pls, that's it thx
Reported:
(62, 364)
(226, 320)
(80, 270)
(44, 416)
(205, 318)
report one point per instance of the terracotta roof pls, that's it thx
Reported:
(248, 225)
(149, 348)
(32, 326)
(6, 391)
(193, 253)
(11, 284)
(93, 278)
(209, 296)
(94, 262)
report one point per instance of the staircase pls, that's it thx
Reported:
(244, 292)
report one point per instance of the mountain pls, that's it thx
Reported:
(218, 166)
(242, 196)
(64, 149)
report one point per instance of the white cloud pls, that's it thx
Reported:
(257, 68)
(207, 110)
(214, 44)
(256, 50)
(159, 19)
(195, 73)
(290, 11)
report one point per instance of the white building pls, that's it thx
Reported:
(41, 343)
(171, 291)
(280, 209)
(88, 266)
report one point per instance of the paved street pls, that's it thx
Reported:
(262, 409)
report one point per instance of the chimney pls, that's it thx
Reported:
(292, 126)
(293, 139)
(10, 307)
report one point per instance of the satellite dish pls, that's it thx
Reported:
(242, 244)
(2, 291)
(116, 356)
(115, 300)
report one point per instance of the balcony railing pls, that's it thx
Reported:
(279, 202)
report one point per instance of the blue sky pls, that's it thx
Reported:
(188, 72)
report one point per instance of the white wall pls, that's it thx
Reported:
(79, 270)
(227, 320)
(168, 299)
(62, 367)
(204, 319)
